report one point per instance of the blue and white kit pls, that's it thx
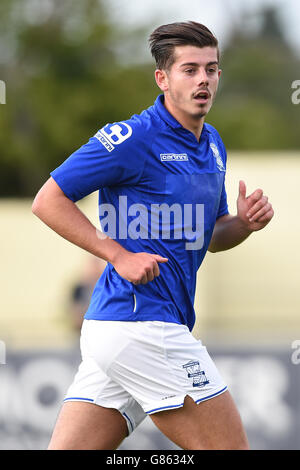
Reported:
(160, 191)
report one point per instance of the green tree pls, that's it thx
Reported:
(64, 82)
(254, 109)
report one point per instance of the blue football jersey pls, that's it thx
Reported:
(160, 191)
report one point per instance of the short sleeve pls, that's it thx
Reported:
(111, 157)
(223, 206)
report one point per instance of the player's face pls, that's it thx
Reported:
(191, 83)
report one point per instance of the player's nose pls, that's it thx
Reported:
(202, 77)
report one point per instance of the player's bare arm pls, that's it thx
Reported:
(64, 217)
(254, 212)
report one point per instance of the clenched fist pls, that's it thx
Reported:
(138, 268)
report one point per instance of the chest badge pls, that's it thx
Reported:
(217, 156)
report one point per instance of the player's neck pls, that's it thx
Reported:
(192, 124)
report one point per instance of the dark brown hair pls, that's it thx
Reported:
(164, 39)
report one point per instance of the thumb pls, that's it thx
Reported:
(160, 259)
(242, 189)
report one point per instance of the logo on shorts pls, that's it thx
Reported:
(194, 371)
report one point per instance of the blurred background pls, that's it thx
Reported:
(66, 69)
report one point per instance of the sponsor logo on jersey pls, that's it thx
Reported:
(113, 134)
(174, 157)
(104, 141)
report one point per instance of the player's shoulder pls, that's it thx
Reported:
(213, 131)
(138, 129)
(216, 143)
(144, 124)
(215, 137)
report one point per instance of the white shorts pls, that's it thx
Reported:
(141, 368)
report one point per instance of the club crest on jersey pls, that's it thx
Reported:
(194, 371)
(217, 156)
(113, 134)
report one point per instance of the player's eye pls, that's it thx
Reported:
(189, 71)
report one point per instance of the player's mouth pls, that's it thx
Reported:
(202, 96)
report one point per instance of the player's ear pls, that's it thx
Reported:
(161, 79)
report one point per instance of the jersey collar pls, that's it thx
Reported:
(164, 114)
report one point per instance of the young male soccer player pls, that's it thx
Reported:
(160, 177)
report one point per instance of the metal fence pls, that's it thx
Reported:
(264, 383)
